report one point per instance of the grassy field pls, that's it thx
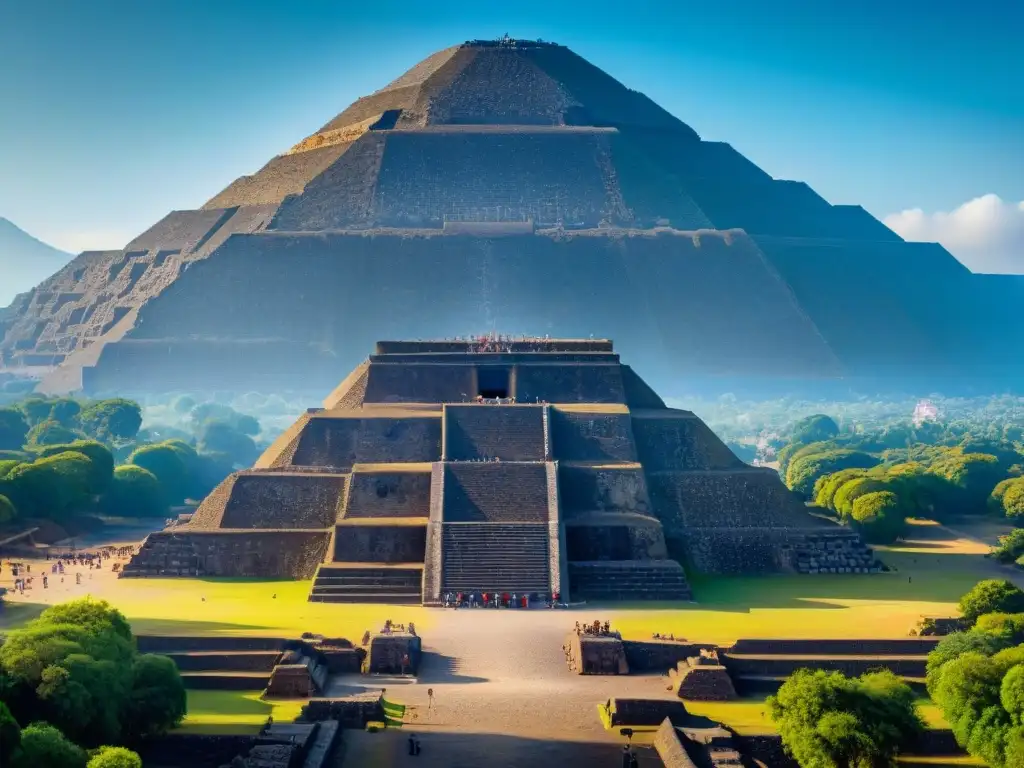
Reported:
(749, 717)
(933, 568)
(234, 712)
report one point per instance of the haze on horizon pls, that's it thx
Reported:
(118, 112)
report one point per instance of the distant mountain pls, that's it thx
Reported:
(24, 261)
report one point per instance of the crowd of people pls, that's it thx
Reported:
(483, 599)
(61, 565)
(597, 629)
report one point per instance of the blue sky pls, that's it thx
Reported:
(115, 112)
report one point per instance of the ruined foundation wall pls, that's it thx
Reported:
(342, 442)
(588, 489)
(389, 494)
(249, 553)
(380, 544)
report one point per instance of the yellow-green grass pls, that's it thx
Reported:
(247, 607)
(933, 569)
(234, 712)
(749, 717)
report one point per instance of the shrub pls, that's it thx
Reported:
(112, 420)
(51, 432)
(803, 472)
(114, 757)
(991, 596)
(168, 466)
(134, 492)
(879, 516)
(1010, 547)
(44, 745)
(102, 460)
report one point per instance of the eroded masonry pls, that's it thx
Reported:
(529, 467)
(515, 184)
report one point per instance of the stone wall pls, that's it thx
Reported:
(488, 432)
(569, 384)
(420, 383)
(592, 655)
(249, 553)
(172, 643)
(496, 492)
(905, 646)
(388, 494)
(658, 655)
(591, 436)
(342, 442)
(745, 498)
(278, 500)
(589, 489)
(354, 712)
(646, 712)
(380, 544)
(627, 538)
(548, 177)
(677, 441)
(670, 749)
(387, 655)
(195, 750)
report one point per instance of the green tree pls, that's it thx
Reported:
(991, 596)
(850, 491)
(825, 487)
(114, 757)
(978, 640)
(51, 432)
(814, 429)
(10, 734)
(36, 409)
(7, 510)
(134, 492)
(76, 666)
(66, 411)
(221, 437)
(879, 516)
(13, 429)
(100, 457)
(44, 745)
(114, 420)
(827, 720)
(803, 472)
(157, 701)
(168, 466)
(53, 487)
(1013, 502)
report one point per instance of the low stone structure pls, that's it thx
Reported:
(393, 653)
(650, 713)
(595, 655)
(702, 678)
(670, 747)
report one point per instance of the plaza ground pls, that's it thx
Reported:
(500, 680)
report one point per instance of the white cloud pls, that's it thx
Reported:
(92, 240)
(986, 233)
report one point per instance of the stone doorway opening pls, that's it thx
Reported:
(493, 382)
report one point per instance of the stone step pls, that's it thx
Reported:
(387, 597)
(506, 432)
(365, 589)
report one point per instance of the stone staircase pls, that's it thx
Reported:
(163, 554)
(487, 432)
(495, 557)
(369, 583)
(835, 552)
(496, 492)
(628, 580)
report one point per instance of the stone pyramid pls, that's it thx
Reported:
(527, 466)
(513, 185)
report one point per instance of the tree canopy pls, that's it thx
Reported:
(13, 429)
(76, 667)
(111, 420)
(827, 720)
(134, 492)
(991, 596)
(114, 757)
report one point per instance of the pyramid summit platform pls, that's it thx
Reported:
(528, 466)
(514, 184)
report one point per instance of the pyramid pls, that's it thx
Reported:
(528, 466)
(512, 185)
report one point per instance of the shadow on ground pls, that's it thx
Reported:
(449, 749)
(438, 668)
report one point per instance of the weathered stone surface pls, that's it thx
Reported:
(405, 202)
(395, 493)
